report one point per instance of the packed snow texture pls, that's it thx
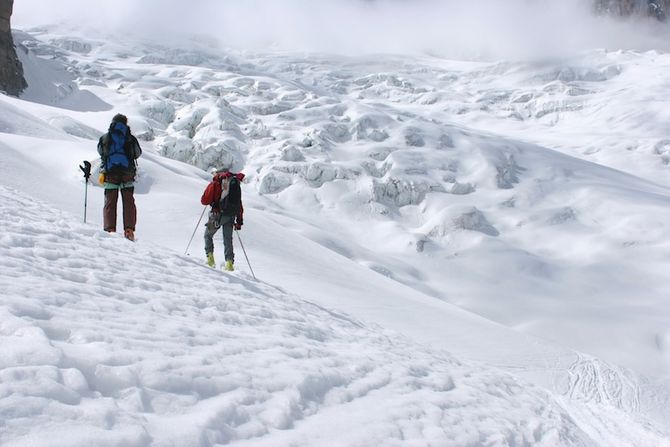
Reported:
(381, 193)
(331, 143)
(136, 351)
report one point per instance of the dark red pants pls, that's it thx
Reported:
(129, 209)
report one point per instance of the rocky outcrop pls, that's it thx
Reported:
(653, 8)
(11, 71)
(5, 14)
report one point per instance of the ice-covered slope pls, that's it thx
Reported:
(119, 344)
(53, 265)
(111, 343)
(125, 338)
(361, 200)
(426, 170)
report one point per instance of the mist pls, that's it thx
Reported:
(486, 29)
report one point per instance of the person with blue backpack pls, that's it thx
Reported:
(119, 150)
(224, 195)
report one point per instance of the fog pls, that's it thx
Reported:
(484, 29)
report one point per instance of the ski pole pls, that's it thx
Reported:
(86, 169)
(85, 199)
(195, 229)
(245, 254)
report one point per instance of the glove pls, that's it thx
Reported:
(238, 226)
(101, 178)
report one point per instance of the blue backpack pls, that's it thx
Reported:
(117, 160)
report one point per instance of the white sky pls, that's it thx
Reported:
(486, 28)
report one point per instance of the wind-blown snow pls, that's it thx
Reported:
(381, 194)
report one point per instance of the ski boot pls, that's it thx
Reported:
(229, 266)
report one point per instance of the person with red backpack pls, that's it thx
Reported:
(118, 150)
(224, 195)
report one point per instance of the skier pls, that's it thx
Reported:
(118, 150)
(224, 195)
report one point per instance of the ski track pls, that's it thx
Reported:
(112, 343)
(594, 381)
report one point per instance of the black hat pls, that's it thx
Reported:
(119, 118)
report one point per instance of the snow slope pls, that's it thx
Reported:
(370, 197)
(133, 352)
(112, 343)
(333, 141)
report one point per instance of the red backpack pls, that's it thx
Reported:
(212, 194)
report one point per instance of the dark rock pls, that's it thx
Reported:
(11, 70)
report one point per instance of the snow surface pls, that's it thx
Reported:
(448, 252)
(112, 343)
